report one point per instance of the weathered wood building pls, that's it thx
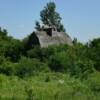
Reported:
(50, 36)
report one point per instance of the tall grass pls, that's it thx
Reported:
(59, 87)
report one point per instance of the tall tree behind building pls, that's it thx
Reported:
(50, 17)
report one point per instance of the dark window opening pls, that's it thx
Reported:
(48, 31)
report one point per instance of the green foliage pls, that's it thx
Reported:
(29, 72)
(7, 68)
(34, 89)
(57, 62)
(94, 54)
(82, 69)
(35, 53)
(3, 33)
(2, 60)
(50, 17)
(93, 82)
(38, 26)
(28, 67)
(29, 92)
(14, 50)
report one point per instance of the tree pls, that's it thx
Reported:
(37, 27)
(14, 50)
(94, 52)
(50, 17)
(3, 33)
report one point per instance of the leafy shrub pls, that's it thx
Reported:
(2, 59)
(27, 67)
(56, 63)
(14, 50)
(94, 52)
(7, 68)
(35, 53)
(81, 69)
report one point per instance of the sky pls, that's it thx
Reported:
(81, 18)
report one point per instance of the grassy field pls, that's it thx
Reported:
(45, 86)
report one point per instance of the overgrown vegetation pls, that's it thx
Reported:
(29, 72)
(52, 73)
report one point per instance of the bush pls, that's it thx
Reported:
(94, 54)
(81, 69)
(2, 60)
(57, 62)
(35, 53)
(28, 67)
(8, 68)
(14, 50)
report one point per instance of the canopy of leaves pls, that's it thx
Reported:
(49, 17)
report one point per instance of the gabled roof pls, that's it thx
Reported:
(55, 38)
